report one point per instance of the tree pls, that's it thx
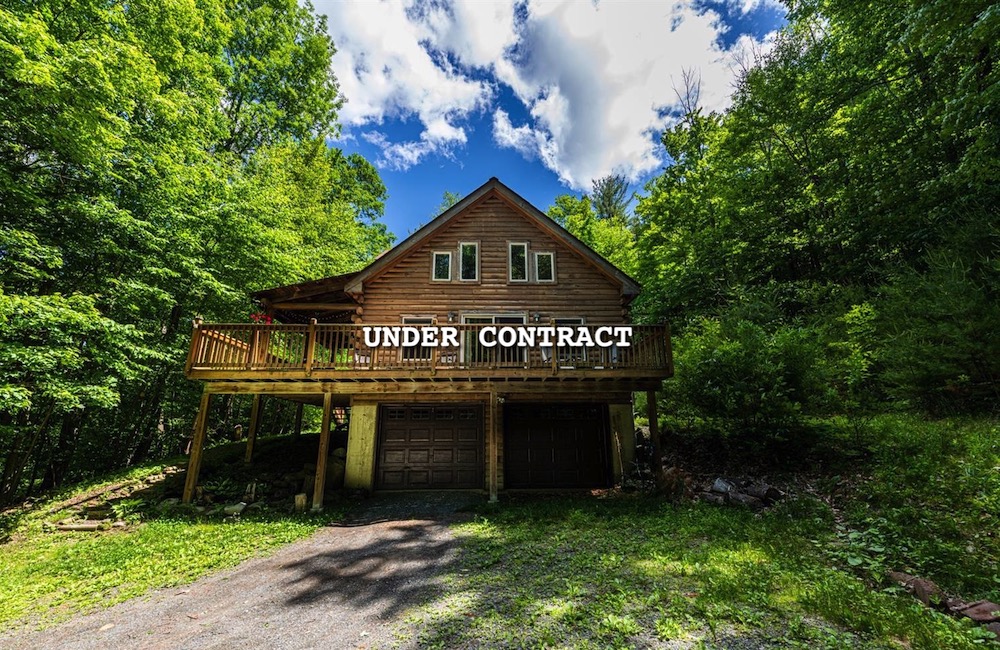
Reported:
(448, 199)
(610, 197)
(846, 192)
(157, 162)
(611, 238)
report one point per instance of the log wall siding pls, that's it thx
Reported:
(405, 288)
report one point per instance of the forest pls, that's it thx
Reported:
(825, 250)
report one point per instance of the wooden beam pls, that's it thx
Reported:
(254, 425)
(324, 452)
(551, 372)
(298, 420)
(491, 446)
(197, 446)
(315, 306)
(373, 389)
(361, 442)
(654, 431)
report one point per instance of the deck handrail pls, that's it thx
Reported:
(329, 349)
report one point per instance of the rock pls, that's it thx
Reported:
(722, 486)
(955, 605)
(746, 500)
(712, 497)
(334, 474)
(982, 611)
(173, 501)
(339, 452)
(119, 524)
(766, 493)
(994, 628)
(925, 591)
(235, 509)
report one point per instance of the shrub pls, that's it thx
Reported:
(751, 378)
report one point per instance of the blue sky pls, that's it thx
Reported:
(546, 96)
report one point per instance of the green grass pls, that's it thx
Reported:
(908, 494)
(50, 576)
(634, 572)
(928, 502)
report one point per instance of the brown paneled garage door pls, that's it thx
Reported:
(430, 446)
(556, 446)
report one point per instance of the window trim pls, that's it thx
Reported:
(552, 256)
(461, 245)
(411, 317)
(434, 255)
(510, 262)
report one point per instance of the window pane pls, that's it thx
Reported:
(470, 263)
(442, 266)
(544, 263)
(518, 262)
(417, 352)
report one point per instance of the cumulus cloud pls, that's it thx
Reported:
(596, 80)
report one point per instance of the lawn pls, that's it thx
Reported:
(50, 576)
(618, 570)
(637, 572)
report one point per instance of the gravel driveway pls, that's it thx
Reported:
(344, 587)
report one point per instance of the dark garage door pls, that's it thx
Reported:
(556, 446)
(430, 446)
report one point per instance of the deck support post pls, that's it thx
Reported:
(494, 437)
(254, 425)
(197, 446)
(654, 432)
(324, 452)
(298, 420)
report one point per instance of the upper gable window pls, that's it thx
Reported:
(517, 263)
(545, 267)
(442, 266)
(468, 257)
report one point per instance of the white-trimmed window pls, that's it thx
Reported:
(416, 352)
(468, 261)
(441, 266)
(517, 262)
(545, 267)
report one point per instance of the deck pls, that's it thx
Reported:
(244, 352)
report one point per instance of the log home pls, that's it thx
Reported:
(489, 350)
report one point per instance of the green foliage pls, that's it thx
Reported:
(158, 161)
(558, 572)
(448, 199)
(927, 503)
(849, 190)
(610, 197)
(735, 370)
(611, 238)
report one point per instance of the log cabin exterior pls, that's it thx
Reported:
(459, 414)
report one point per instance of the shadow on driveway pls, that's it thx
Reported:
(343, 587)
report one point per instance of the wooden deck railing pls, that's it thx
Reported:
(322, 351)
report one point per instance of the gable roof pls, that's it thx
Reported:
(493, 186)
(346, 286)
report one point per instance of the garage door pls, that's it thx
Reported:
(556, 446)
(430, 446)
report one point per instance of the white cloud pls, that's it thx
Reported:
(595, 80)
(385, 71)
